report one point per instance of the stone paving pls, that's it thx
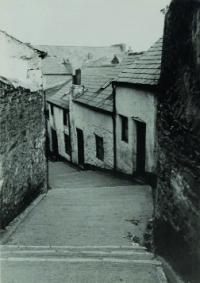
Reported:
(80, 232)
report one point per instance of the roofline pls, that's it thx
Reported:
(59, 106)
(110, 113)
(57, 74)
(88, 46)
(40, 53)
(62, 84)
(16, 84)
(138, 86)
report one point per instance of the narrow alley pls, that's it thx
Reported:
(83, 231)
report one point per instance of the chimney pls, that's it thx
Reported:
(77, 77)
(115, 60)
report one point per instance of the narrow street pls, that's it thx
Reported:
(81, 232)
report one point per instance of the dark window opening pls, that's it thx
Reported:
(99, 148)
(52, 109)
(124, 128)
(80, 145)
(65, 118)
(47, 114)
(67, 144)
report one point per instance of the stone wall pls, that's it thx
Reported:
(22, 151)
(177, 229)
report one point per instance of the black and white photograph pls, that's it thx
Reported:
(100, 141)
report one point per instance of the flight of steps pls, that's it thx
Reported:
(87, 264)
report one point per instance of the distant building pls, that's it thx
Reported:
(56, 72)
(135, 112)
(79, 56)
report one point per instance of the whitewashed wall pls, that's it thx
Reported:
(20, 62)
(56, 122)
(131, 103)
(92, 122)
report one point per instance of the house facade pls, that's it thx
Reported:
(58, 125)
(111, 115)
(135, 113)
(91, 118)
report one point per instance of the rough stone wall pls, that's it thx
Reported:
(22, 151)
(178, 193)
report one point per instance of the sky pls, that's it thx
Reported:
(138, 23)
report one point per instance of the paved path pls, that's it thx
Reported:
(80, 232)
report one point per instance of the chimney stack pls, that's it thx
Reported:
(77, 77)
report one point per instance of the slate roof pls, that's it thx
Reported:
(55, 66)
(54, 80)
(61, 97)
(146, 69)
(97, 81)
(98, 88)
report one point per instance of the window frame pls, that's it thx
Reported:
(67, 144)
(99, 147)
(65, 118)
(124, 128)
(52, 109)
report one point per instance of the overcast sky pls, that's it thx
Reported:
(138, 23)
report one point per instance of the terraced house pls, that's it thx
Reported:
(110, 120)
(91, 117)
(135, 92)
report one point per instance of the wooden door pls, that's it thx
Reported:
(141, 147)
(80, 145)
(54, 142)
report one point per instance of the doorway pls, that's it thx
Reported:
(54, 142)
(80, 144)
(141, 147)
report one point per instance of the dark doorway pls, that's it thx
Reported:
(54, 142)
(80, 143)
(141, 147)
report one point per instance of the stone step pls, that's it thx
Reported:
(113, 248)
(136, 255)
(80, 270)
(71, 254)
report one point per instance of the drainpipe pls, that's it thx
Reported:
(45, 144)
(69, 121)
(114, 126)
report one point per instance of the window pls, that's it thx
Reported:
(47, 114)
(99, 148)
(124, 128)
(52, 110)
(65, 118)
(67, 144)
